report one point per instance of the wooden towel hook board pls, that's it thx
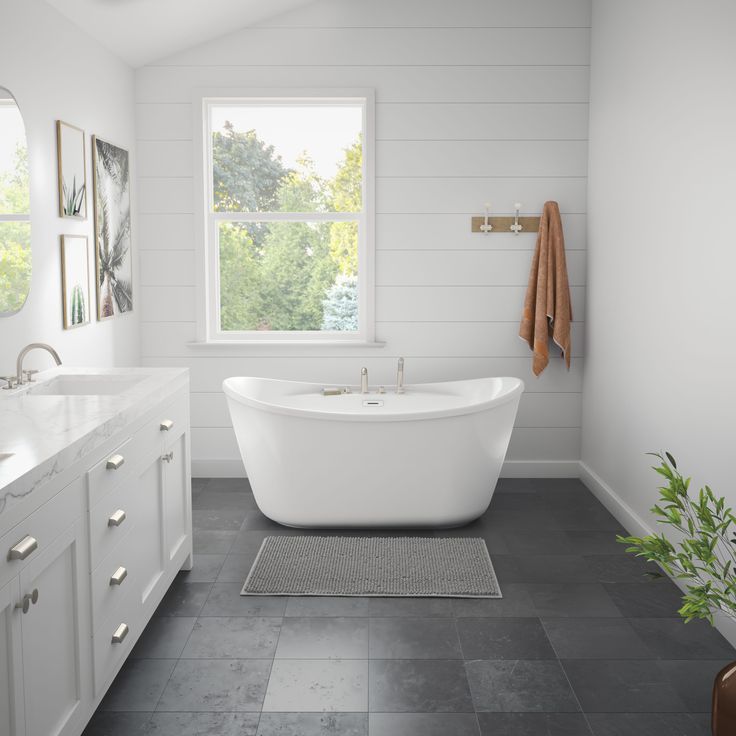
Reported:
(502, 224)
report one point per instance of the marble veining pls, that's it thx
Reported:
(43, 434)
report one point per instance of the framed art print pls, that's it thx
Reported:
(72, 171)
(75, 280)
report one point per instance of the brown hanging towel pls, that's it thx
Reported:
(547, 308)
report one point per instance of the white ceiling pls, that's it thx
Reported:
(140, 31)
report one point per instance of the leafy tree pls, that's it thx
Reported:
(346, 195)
(240, 303)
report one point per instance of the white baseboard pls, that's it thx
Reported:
(541, 469)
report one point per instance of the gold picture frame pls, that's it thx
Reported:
(71, 155)
(75, 281)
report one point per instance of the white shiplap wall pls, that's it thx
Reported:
(476, 100)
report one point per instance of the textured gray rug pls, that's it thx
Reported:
(451, 567)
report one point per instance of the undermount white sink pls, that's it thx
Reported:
(86, 385)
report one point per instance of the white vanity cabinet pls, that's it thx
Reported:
(82, 574)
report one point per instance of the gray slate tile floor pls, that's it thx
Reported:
(582, 644)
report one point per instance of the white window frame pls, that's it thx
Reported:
(207, 220)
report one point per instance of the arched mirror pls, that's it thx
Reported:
(15, 209)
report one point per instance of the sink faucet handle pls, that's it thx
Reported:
(10, 382)
(29, 373)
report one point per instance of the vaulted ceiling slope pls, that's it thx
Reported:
(140, 31)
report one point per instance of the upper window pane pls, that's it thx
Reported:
(270, 157)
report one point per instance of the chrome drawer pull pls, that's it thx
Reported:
(166, 425)
(168, 457)
(117, 518)
(118, 576)
(120, 633)
(114, 462)
(24, 548)
(28, 598)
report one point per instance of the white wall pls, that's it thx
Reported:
(660, 340)
(57, 72)
(477, 101)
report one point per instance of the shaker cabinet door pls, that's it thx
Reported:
(11, 665)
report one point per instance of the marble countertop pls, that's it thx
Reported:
(42, 435)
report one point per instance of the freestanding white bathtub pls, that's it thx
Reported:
(429, 457)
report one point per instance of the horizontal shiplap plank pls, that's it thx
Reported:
(215, 443)
(167, 267)
(392, 84)
(553, 443)
(459, 303)
(464, 268)
(208, 373)
(481, 121)
(158, 122)
(472, 13)
(448, 196)
(167, 303)
(165, 158)
(449, 232)
(409, 339)
(166, 195)
(479, 158)
(158, 231)
(535, 410)
(398, 47)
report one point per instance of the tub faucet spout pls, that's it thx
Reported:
(400, 377)
(364, 380)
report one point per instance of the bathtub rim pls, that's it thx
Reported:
(513, 393)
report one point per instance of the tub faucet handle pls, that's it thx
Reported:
(400, 377)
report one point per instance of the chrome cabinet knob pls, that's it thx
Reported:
(22, 549)
(114, 462)
(120, 633)
(28, 598)
(117, 518)
(118, 576)
(166, 425)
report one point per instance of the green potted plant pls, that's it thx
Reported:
(703, 555)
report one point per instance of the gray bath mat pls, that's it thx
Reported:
(451, 567)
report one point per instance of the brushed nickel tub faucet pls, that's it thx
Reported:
(400, 377)
(364, 380)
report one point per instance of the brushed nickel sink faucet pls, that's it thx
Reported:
(29, 373)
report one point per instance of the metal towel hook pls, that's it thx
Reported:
(516, 228)
(486, 227)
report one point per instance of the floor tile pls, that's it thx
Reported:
(235, 569)
(138, 685)
(232, 685)
(232, 485)
(255, 519)
(620, 568)
(543, 569)
(205, 569)
(571, 599)
(418, 686)
(693, 680)
(248, 542)
(107, 723)
(184, 599)
(213, 499)
(651, 724)
(401, 637)
(495, 543)
(520, 686)
(587, 542)
(203, 724)
(308, 685)
(503, 638)
(653, 598)
(539, 542)
(672, 638)
(536, 724)
(622, 686)
(516, 602)
(595, 638)
(233, 638)
(313, 724)
(414, 607)
(222, 519)
(225, 600)
(327, 606)
(323, 638)
(423, 724)
(163, 638)
(212, 541)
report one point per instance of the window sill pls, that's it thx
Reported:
(281, 346)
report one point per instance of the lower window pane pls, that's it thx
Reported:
(288, 276)
(15, 265)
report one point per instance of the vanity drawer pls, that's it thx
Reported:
(26, 540)
(114, 468)
(115, 578)
(126, 622)
(111, 519)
